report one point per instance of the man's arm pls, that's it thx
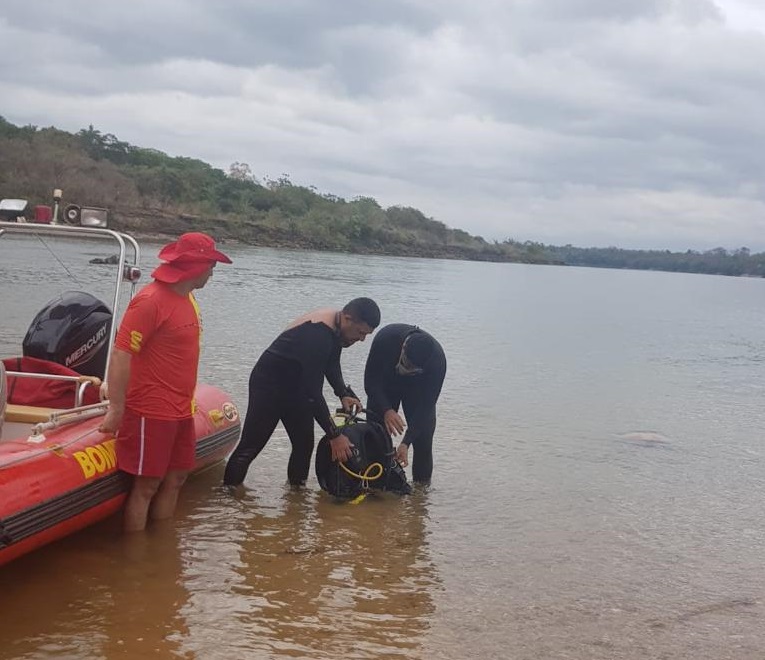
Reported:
(339, 444)
(375, 373)
(313, 348)
(138, 325)
(422, 414)
(118, 377)
(311, 345)
(334, 375)
(379, 376)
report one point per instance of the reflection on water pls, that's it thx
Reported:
(298, 576)
(304, 576)
(97, 595)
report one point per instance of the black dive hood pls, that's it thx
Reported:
(373, 465)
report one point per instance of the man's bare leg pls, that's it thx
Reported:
(138, 501)
(163, 505)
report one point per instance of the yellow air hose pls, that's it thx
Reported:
(367, 474)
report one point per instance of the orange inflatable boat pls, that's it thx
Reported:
(57, 471)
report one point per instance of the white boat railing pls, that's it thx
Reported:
(84, 381)
(69, 231)
(68, 416)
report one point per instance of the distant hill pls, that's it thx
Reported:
(149, 192)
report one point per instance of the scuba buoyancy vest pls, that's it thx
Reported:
(373, 464)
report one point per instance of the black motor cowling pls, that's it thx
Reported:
(73, 330)
(371, 444)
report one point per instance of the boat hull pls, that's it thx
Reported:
(54, 486)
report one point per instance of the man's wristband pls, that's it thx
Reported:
(347, 391)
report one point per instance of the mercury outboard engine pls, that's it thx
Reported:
(73, 330)
(373, 465)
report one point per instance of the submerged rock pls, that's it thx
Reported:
(112, 260)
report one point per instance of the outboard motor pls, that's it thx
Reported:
(73, 330)
(373, 465)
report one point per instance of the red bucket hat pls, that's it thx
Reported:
(188, 257)
(193, 246)
(180, 271)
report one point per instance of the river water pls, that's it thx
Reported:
(598, 493)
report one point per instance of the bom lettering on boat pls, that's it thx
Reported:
(97, 459)
(91, 344)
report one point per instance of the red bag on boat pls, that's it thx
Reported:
(44, 392)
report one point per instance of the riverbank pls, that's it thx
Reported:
(160, 225)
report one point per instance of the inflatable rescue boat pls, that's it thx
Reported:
(58, 473)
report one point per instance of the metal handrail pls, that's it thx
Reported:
(136, 260)
(81, 391)
(86, 232)
(84, 381)
(68, 416)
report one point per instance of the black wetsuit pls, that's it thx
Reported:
(386, 390)
(286, 385)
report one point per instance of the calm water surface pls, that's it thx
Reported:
(599, 487)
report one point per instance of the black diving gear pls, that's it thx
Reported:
(373, 465)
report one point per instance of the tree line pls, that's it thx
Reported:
(148, 191)
(718, 261)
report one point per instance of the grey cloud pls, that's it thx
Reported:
(289, 33)
(546, 120)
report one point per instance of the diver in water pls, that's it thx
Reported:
(406, 366)
(286, 385)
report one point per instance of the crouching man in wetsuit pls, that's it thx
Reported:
(407, 366)
(286, 385)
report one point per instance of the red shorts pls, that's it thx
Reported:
(152, 447)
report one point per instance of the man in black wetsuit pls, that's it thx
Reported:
(286, 385)
(406, 366)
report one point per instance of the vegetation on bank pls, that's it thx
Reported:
(147, 191)
(718, 261)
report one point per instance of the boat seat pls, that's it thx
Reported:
(27, 414)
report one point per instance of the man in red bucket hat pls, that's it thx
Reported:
(152, 376)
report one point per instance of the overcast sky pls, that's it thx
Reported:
(635, 123)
